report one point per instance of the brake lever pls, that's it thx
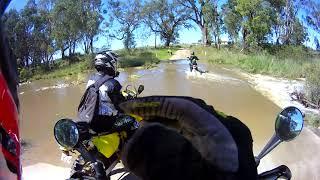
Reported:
(280, 171)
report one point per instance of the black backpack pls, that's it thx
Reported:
(89, 102)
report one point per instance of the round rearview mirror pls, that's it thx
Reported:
(289, 123)
(66, 133)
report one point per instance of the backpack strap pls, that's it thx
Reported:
(101, 81)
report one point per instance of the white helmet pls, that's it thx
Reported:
(106, 62)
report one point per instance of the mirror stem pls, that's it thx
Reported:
(272, 143)
(85, 154)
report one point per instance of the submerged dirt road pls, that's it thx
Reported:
(181, 54)
(44, 102)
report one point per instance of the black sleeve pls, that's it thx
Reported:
(114, 92)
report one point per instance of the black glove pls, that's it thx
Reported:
(222, 141)
(224, 144)
(83, 128)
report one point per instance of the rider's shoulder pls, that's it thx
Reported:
(113, 84)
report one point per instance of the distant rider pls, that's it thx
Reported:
(193, 61)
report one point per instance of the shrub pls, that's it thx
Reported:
(25, 74)
(137, 58)
(313, 82)
(313, 120)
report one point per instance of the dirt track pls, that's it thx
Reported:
(180, 54)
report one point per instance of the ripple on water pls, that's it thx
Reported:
(214, 77)
(58, 86)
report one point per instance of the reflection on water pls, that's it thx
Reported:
(42, 108)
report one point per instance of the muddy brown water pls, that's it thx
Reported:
(225, 90)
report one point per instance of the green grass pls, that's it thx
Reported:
(68, 70)
(137, 57)
(60, 69)
(80, 64)
(264, 63)
(313, 120)
(162, 53)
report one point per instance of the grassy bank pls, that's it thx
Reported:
(312, 120)
(288, 64)
(58, 69)
(137, 57)
(80, 64)
(162, 53)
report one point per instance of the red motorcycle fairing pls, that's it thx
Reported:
(10, 165)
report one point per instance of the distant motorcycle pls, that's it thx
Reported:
(194, 67)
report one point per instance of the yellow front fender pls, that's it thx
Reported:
(107, 144)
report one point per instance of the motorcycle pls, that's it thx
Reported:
(99, 155)
(131, 94)
(194, 68)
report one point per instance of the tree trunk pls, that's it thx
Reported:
(288, 23)
(62, 53)
(85, 47)
(244, 35)
(167, 43)
(215, 41)
(27, 62)
(155, 40)
(91, 44)
(204, 31)
(73, 48)
(70, 49)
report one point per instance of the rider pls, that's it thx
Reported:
(193, 61)
(207, 144)
(109, 93)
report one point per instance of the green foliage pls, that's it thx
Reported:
(162, 53)
(43, 27)
(299, 35)
(264, 63)
(312, 8)
(60, 69)
(166, 18)
(257, 20)
(75, 21)
(313, 82)
(125, 18)
(129, 40)
(231, 19)
(214, 20)
(24, 74)
(313, 120)
(294, 52)
(138, 57)
(197, 10)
